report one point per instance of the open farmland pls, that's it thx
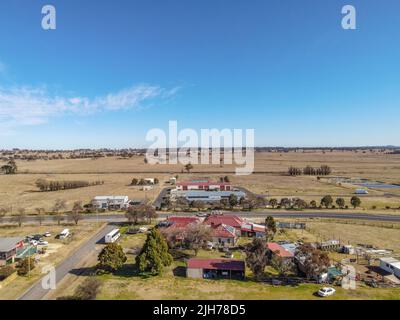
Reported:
(269, 178)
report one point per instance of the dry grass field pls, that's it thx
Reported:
(269, 178)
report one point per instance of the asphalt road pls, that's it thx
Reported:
(36, 292)
(160, 197)
(118, 217)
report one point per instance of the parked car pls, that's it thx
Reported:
(47, 234)
(64, 234)
(202, 214)
(325, 292)
(229, 255)
(37, 237)
(43, 243)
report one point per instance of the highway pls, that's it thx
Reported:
(118, 217)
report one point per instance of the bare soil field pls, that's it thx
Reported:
(269, 177)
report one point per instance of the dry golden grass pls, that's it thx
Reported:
(20, 191)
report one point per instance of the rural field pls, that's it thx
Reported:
(269, 178)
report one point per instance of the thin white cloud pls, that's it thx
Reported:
(23, 106)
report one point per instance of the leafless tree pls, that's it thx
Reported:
(196, 236)
(19, 217)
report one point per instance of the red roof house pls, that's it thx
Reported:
(278, 250)
(203, 185)
(183, 221)
(230, 220)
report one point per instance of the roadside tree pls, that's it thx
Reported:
(111, 258)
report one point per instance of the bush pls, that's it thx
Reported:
(5, 272)
(88, 290)
(111, 258)
(25, 265)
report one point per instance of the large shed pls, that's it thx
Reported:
(215, 269)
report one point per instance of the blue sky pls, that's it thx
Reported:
(112, 70)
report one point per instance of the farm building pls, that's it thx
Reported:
(203, 195)
(149, 180)
(8, 249)
(390, 265)
(204, 185)
(215, 269)
(110, 202)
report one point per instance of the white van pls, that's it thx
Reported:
(112, 236)
(64, 234)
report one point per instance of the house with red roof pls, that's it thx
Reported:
(183, 220)
(224, 235)
(230, 220)
(215, 269)
(278, 250)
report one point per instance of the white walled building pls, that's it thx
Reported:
(110, 202)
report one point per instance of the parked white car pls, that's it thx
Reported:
(43, 243)
(47, 234)
(201, 214)
(326, 292)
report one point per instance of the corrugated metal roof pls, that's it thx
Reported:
(216, 264)
(8, 244)
(279, 250)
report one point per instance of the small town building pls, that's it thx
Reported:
(206, 185)
(110, 202)
(250, 229)
(390, 265)
(276, 249)
(330, 245)
(215, 269)
(205, 195)
(224, 235)
(229, 220)
(8, 249)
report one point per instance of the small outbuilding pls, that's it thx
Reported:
(391, 265)
(215, 269)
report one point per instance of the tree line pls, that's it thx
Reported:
(54, 185)
(324, 170)
(143, 182)
(326, 201)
